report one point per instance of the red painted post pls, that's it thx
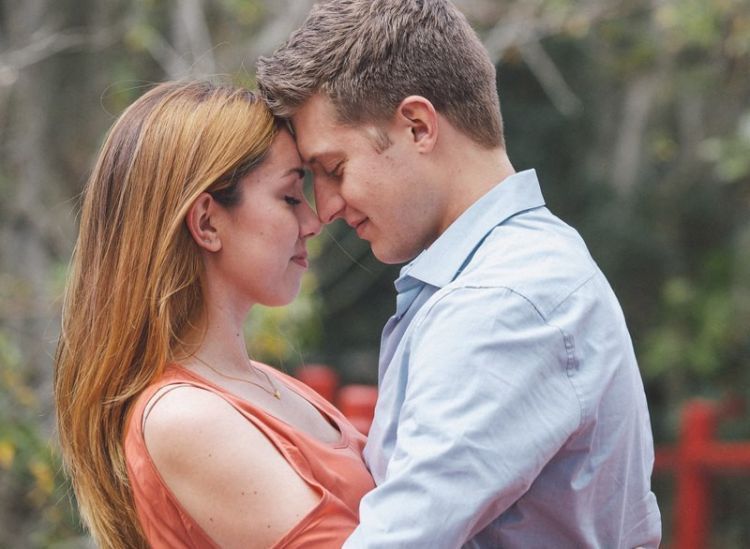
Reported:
(357, 403)
(321, 378)
(693, 489)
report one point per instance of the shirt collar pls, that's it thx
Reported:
(444, 259)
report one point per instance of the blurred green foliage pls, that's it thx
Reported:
(36, 496)
(284, 336)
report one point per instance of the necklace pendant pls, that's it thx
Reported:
(277, 394)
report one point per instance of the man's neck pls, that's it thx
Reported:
(470, 173)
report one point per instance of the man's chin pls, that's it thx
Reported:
(390, 256)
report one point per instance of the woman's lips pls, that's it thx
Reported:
(301, 260)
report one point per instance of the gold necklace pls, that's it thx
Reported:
(275, 393)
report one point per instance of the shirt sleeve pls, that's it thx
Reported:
(487, 403)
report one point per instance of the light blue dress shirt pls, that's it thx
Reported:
(511, 412)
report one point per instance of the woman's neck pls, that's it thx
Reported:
(218, 339)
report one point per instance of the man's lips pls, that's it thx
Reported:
(359, 225)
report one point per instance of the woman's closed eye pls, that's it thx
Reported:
(292, 200)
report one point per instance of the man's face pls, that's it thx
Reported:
(383, 194)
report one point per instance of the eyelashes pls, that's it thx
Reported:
(292, 200)
(337, 171)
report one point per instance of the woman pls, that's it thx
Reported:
(172, 436)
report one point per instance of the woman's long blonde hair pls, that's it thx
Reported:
(135, 281)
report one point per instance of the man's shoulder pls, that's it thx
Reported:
(534, 255)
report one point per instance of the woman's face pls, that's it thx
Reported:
(263, 238)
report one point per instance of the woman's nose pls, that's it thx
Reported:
(310, 224)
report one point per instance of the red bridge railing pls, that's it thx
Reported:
(356, 402)
(694, 460)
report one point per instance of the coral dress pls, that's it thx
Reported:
(335, 470)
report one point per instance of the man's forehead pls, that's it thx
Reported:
(315, 128)
(319, 139)
(316, 145)
(317, 111)
(313, 146)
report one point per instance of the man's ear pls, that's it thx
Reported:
(420, 116)
(200, 225)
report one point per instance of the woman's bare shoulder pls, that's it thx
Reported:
(230, 478)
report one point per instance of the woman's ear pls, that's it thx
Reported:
(200, 224)
(420, 116)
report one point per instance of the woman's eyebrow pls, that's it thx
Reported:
(296, 170)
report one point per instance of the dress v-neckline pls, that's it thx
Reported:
(341, 441)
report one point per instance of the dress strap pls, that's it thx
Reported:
(156, 397)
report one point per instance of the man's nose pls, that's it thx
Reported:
(328, 201)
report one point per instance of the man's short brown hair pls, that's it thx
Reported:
(366, 56)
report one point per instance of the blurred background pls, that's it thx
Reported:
(635, 113)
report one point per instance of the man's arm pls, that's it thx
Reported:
(488, 402)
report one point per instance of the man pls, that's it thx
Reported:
(511, 412)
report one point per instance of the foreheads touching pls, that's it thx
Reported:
(366, 56)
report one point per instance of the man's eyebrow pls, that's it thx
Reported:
(315, 158)
(310, 161)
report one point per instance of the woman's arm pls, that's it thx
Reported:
(228, 476)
